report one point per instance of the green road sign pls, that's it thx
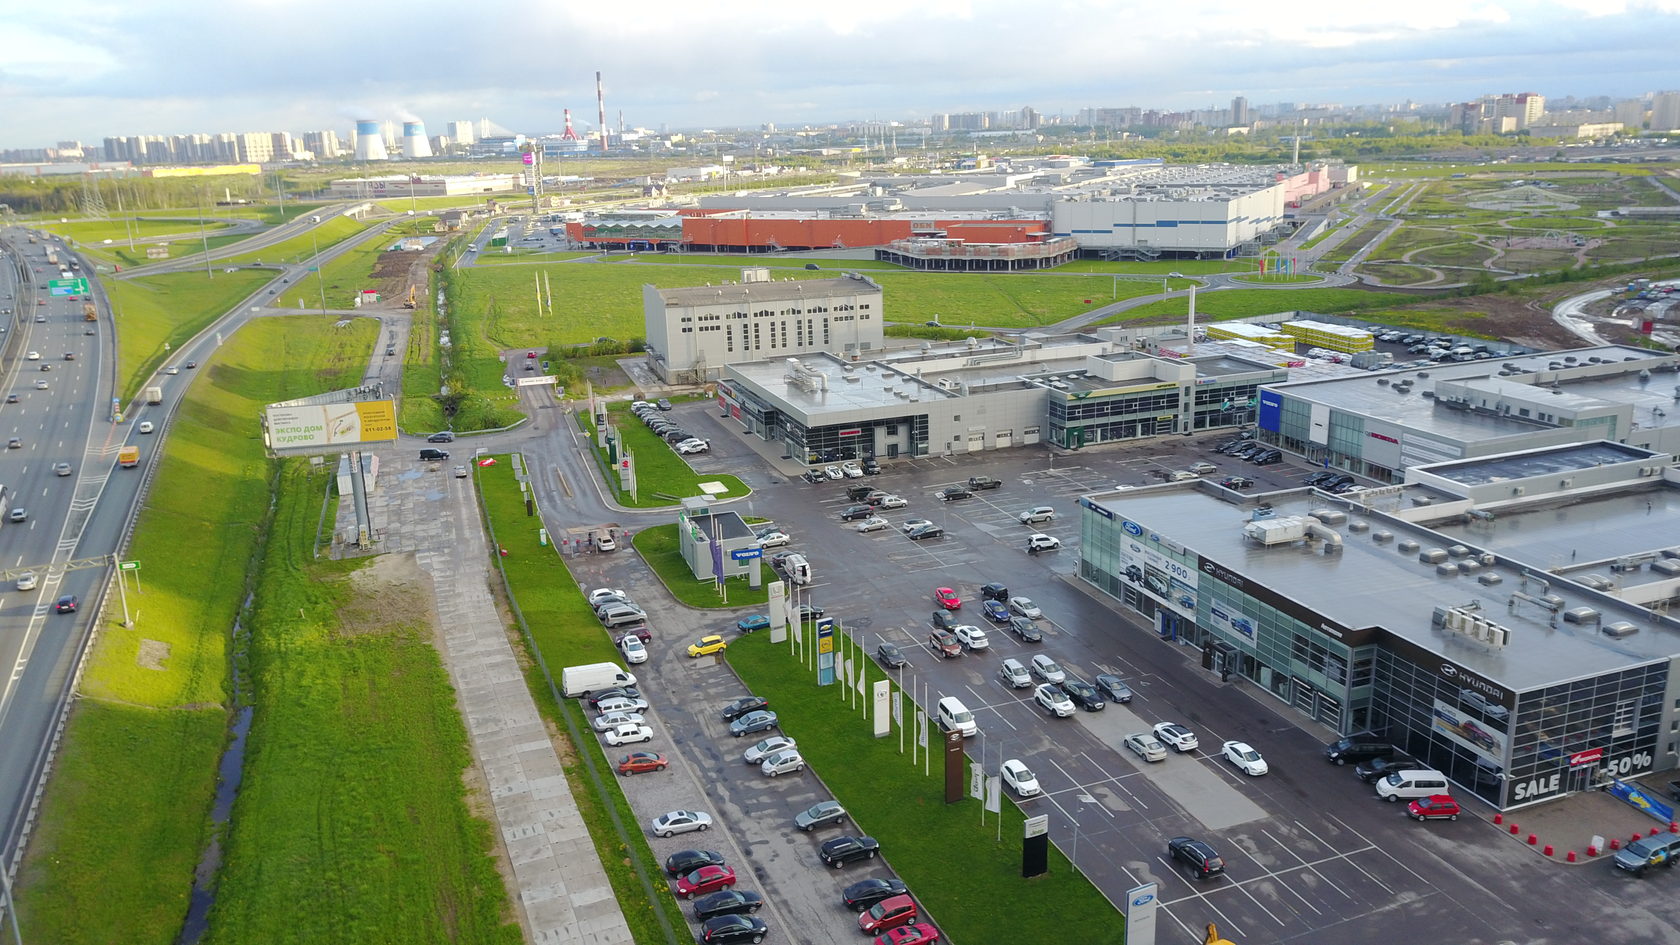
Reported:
(61, 287)
(128, 565)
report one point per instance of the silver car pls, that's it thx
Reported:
(680, 821)
(1146, 746)
(788, 760)
(1013, 674)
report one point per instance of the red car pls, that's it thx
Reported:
(641, 633)
(946, 598)
(887, 914)
(919, 934)
(1433, 807)
(638, 761)
(945, 644)
(704, 880)
(530, 354)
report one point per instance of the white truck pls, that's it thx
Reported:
(154, 395)
(582, 680)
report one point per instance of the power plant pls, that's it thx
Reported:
(414, 143)
(370, 141)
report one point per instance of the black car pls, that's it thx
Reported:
(842, 850)
(1249, 450)
(602, 695)
(952, 493)
(67, 604)
(1202, 859)
(734, 928)
(1375, 769)
(442, 436)
(1083, 695)
(1237, 482)
(943, 619)
(983, 482)
(662, 404)
(890, 656)
(684, 862)
(865, 893)
(813, 477)
(1115, 688)
(871, 467)
(1268, 458)
(740, 707)
(1318, 478)
(925, 531)
(854, 512)
(994, 591)
(1361, 746)
(809, 612)
(727, 902)
(1024, 628)
(860, 493)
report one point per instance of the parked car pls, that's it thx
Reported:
(945, 644)
(1373, 770)
(1037, 514)
(693, 445)
(1433, 807)
(1245, 758)
(1201, 468)
(994, 591)
(706, 645)
(1176, 735)
(622, 704)
(767, 747)
(704, 880)
(943, 619)
(926, 531)
(983, 482)
(1114, 687)
(1041, 542)
(1025, 629)
(873, 523)
(1083, 695)
(833, 473)
(727, 902)
(753, 723)
(946, 598)
(952, 493)
(730, 929)
(972, 637)
(1204, 862)
(996, 611)
(671, 823)
(890, 501)
(1237, 482)
(919, 933)
(786, 761)
(1053, 700)
(854, 512)
(1025, 607)
(890, 656)
(851, 470)
(1014, 675)
(773, 538)
(1019, 778)
(865, 893)
(634, 650)
(820, 814)
(683, 862)
(887, 914)
(842, 850)
(628, 734)
(914, 524)
(1046, 669)
(442, 436)
(639, 761)
(743, 705)
(752, 623)
(608, 720)
(1146, 747)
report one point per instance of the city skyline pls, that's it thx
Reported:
(121, 71)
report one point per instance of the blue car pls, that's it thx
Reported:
(997, 611)
(755, 622)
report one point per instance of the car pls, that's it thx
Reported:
(1037, 514)
(1204, 862)
(1025, 607)
(634, 650)
(599, 594)
(953, 493)
(704, 880)
(945, 644)
(69, 355)
(752, 723)
(920, 933)
(706, 645)
(1244, 757)
(1433, 807)
(460, 471)
(608, 720)
(808, 612)
(11, 398)
(172, 371)
(629, 734)
(622, 704)
(1146, 746)
(1039, 541)
(1084, 695)
(1014, 675)
(890, 656)
(26, 581)
(926, 531)
(752, 623)
(729, 929)
(32, 356)
(943, 619)
(19, 514)
(1046, 669)
(1373, 770)
(947, 598)
(1237, 482)
(773, 538)
(662, 404)
(1201, 468)
(631, 694)
(867, 892)
(983, 482)
(46, 367)
(786, 761)
(1114, 687)
(914, 524)
(671, 823)
(887, 914)
(41, 384)
(972, 637)
(1025, 629)
(61, 469)
(820, 814)
(1053, 700)
(873, 523)
(442, 436)
(994, 591)
(813, 477)
(14, 443)
(1176, 735)
(871, 467)
(852, 513)
(1360, 746)
(833, 473)
(996, 611)
(727, 902)
(743, 705)
(847, 849)
(890, 501)
(639, 761)
(693, 445)
(851, 470)
(683, 862)
(1019, 778)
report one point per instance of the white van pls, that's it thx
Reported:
(591, 677)
(1411, 785)
(955, 717)
(797, 569)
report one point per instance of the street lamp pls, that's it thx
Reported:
(1073, 853)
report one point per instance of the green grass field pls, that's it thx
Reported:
(1357, 240)
(1402, 274)
(1272, 278)
(125, 815)
(658, 547)
(118, 254)
(329, 233)
(168, 309)
(119, 231)
(1247, 303)
(662, 478)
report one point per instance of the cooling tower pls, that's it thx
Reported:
(370, 141)
(414, 143)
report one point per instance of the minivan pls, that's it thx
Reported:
(620, 615)
(432, 453)
(955, 717)
(1411, 785)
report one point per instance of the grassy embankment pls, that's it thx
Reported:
(157, 314)
(1248, 303)
(662, 477)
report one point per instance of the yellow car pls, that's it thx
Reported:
(711, 644)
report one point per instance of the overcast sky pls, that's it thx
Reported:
(84, 69)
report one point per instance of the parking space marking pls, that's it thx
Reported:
(1196, 893)
(1291, 851)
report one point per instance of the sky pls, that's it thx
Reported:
(85, 69)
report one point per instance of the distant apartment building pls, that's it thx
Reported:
(1239, 111)
(461, 132)
(1499, 114)
(1631, 113)
(324, 144)
(1665, 111)
(256, 147)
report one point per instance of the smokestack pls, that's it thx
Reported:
(601, 110)
(370, 141)
(414, 143)
(569, 135)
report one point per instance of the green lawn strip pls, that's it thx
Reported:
(561, 630)
(658, 547)
(95, 231)
(1355, 242)
(330, 232)
(922, 836)
(118, 254)
(662, 478)
(125, 815)
(1401, 274)
(352, 822)
(1247, 303)
(168, 309)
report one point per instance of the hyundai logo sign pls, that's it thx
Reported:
(1132, 528)
(1143, 900)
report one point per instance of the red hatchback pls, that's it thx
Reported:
(1433, 807)
(946, 598)
(919, 934)
(704, 880)
(945, 644)
(887, 914)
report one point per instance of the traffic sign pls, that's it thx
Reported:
(63, 287)
(128, 565)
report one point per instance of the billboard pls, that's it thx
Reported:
(1145, 566)
(1468, 732)
(330, 426)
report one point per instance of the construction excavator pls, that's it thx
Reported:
(409, 302)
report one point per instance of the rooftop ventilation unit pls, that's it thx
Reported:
(1406, 546)
(1382, 537)
(1433, 556)
(1580, 615)
(1618, 630)
(1490, 578)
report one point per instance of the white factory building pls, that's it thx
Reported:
(431, 185)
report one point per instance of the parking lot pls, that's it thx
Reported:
(1311, 854)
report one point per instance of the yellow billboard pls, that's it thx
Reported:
(211, 171)
(330, 426)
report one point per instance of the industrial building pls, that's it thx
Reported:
(404, 185)
(370, 141)
(1504, 619)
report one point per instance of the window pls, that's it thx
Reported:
(1625, 714)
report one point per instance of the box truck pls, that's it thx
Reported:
(582, 680)
(154, 395)
(128, 457)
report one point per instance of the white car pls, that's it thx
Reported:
(782, 762)
(1244, 757)
(774, 539)
(33, 356)
(1041, 513)
(1038, 541)
(768, 747)
(634, 650)
(629, 733)
(26, 581)
(1054, 701)
(615, 719)
(1047, 669)
(914, 524)
(693, 445)
(146, 426)
(1025, 607)
(833, 472)
(1019, 778)
(890, 501)
(1176, 735)
(851, 470)
(680, 821)
(602, 593)
(872, 523)
(1146, 746)
(972, 637)
(621, 704)
(173, 371)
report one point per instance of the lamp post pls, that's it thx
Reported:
(1073, 852)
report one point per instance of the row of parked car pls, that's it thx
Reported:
(1257, 453)
(653, 414)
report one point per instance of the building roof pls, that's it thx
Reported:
(876, 384)
(1562, 459)
(720, 525)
